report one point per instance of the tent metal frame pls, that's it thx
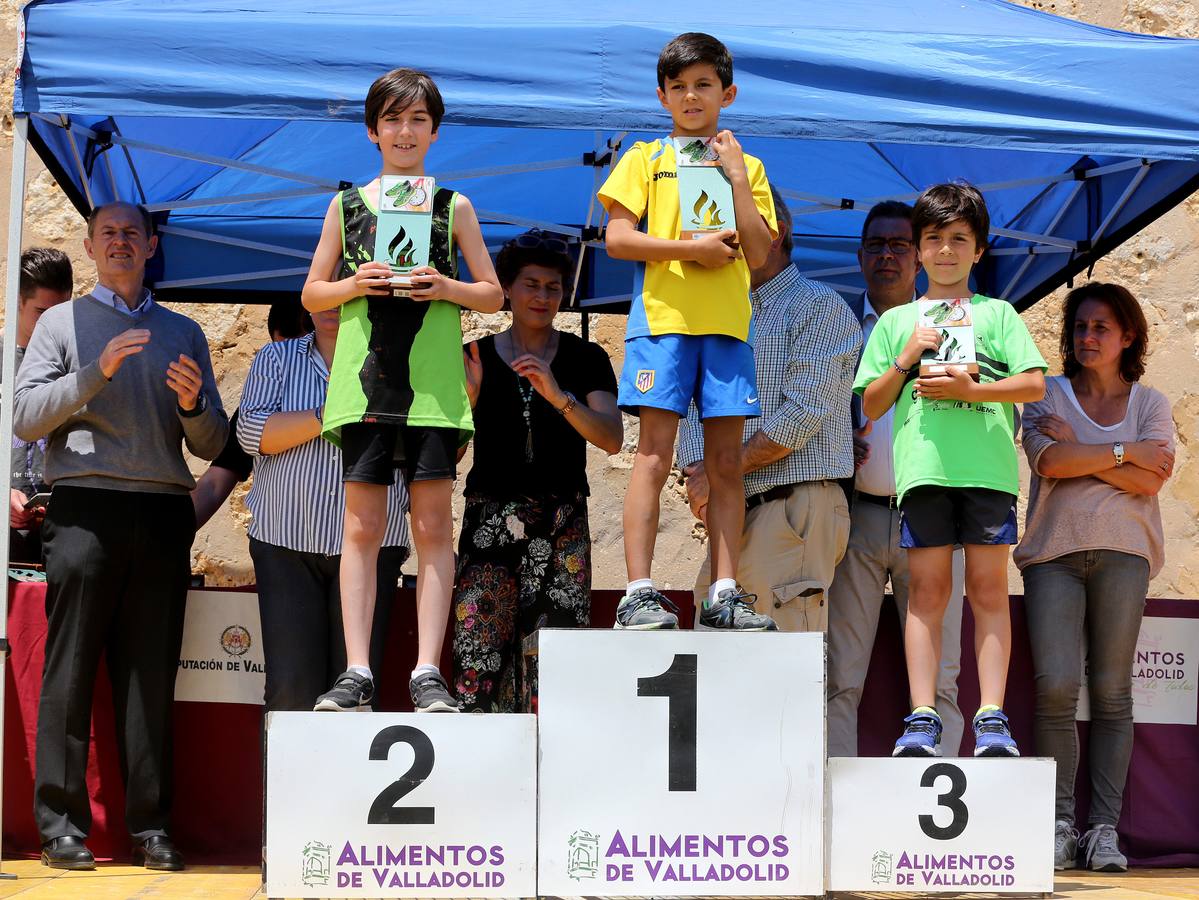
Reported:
(602, 157)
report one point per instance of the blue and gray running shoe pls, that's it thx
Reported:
(350, 693)
(992, 737)
(733, 610)
(921, 734)
(643, 610)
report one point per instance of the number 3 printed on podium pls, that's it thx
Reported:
(384, 811)
(951, 800)
(678, 685)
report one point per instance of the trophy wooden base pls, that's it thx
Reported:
(945, 368)
(734, 241)
(404, 285)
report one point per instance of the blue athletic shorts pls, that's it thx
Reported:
(667, 371)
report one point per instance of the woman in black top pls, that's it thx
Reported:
(539, 397)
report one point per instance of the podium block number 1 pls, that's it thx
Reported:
(384, 810)
(661, 775)
(679, 685)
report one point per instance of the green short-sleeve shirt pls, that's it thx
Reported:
(954, 443)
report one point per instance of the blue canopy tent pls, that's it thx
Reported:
(235, 119)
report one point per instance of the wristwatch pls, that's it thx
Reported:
(1118, 452)
(201, 405)
(571, 400)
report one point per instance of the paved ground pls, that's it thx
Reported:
(117, 882)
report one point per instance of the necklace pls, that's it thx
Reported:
(526, 395)
(525, 387)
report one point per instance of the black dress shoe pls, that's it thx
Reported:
(67, 852)
(158, 852)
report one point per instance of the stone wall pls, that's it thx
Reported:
(1161, 266)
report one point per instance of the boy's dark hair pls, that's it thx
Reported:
(945, 203)
(399, 89)
(289, 318)
(693, 48)
(1127, 313)
(888, 209)
(782, 215)
(44, 267)
(147, 219)
(513, 257)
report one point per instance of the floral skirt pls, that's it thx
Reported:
(523, 564)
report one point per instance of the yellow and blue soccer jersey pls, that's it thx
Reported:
(679, 297)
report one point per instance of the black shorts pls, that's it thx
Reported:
(932, 516)
(371, 452)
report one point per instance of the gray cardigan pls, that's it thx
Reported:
(126, 434)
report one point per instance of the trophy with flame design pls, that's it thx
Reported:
(404, 227)
(705, 193)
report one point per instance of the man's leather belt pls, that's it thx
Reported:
(779, 492)
(889, 502)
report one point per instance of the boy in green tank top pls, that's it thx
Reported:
(397, 389)
(955, 462)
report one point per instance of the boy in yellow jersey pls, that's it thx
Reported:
(688, 329)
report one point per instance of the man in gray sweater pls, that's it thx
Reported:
(117, 384)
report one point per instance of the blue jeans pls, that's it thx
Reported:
(1099, 593)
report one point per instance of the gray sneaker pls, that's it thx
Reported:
(1101, 850)
(643, 610)
(733, 610)
(1065, 845)
(430, 694)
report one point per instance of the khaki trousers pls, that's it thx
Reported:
(789, 551)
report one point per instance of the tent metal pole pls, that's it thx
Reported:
(235, 198)
(220, 162)
(16, 211)
(1034, 238)
(112, 177)
(83, 179)
(224, 279)
(570, 162)
(234, 242)
(493, 216)
(1061, 214)
(1122, 202)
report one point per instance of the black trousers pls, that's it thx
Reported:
(299, 602)
(117, 571)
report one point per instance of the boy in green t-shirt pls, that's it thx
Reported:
(397, 385)
(955, 462)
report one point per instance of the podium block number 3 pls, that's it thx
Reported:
(951, 800)
(678, 685)
(384, 810)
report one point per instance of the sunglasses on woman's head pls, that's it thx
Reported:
(537, 238)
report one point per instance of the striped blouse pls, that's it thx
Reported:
(297, 499)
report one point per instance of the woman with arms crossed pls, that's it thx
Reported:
(1100, 446)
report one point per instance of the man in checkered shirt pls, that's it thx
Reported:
(806, 344)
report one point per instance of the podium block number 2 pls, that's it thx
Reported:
(951, 800)
(384, 810)
(678, 685)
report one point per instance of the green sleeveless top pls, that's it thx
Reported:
(398, 361)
